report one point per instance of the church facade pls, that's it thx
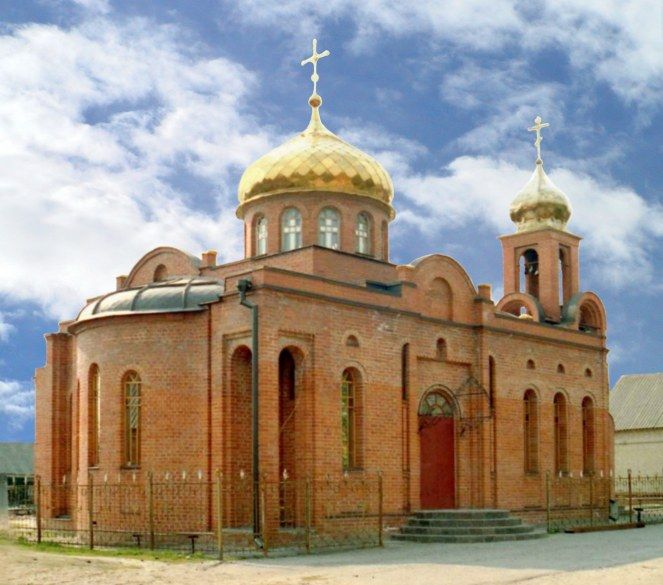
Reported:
(341, 362)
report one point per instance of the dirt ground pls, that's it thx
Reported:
(609, 558)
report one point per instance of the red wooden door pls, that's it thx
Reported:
(438, 486)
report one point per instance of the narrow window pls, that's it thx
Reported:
(132, 419)
(261, 236)
(329, 228)
(441, 349)
(291, 230)
(352, 341)
(588, 373)
(531, 428)
(531, 365)
(560, 438)
(491, 382)
(351, 419)
(94, 404)
(405, 371)
(363, 234)
(588, 436)
(561, 369)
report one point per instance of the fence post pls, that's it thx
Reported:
(307, 511)
(150, 507)
(38, 488)
(219, 512)
(630, 498)
(90, 508)
(263, 524)
(548, 500)
(591, 499)
(380, 512)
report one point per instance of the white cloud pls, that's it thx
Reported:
(98, 121)
(616, 41)
(17, 403)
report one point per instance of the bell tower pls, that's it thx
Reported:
(541, 258)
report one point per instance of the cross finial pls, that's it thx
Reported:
(313, 59)
(538, 124)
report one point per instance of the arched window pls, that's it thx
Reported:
(363, 234)
(351, 428)
(94, 415)
(405, 371)
(160, 273)
(564, 277)
(291, 230)
(352, 341)
(561, 369)
(329, 228)
(261, 236)
(588, 436)
(441, 349)
(531, 428)
(529, 262)
(588, 373)
(132, 419)
(561, 435)
(531, 365)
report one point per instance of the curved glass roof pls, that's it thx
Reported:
(169, 296)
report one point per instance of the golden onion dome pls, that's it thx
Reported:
(540, 204)
(316, 160)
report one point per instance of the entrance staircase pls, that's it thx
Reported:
(465, 526)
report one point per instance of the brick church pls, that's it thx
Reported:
(315, 356)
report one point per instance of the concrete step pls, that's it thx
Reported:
(459, 530)
(467, 538)
(462, 514)
(474, 522)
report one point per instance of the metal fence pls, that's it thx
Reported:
(599, 502)
(211, 517)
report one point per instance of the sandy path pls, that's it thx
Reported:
(611, 558)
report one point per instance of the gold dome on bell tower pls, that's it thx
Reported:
(316, 160)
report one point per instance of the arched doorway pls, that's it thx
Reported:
(437, 447)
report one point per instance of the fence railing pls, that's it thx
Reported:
(212, 517)
(598, 501)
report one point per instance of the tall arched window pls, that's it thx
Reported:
(261, 236)
(588, 464)
(561, 443)
(291, 230)
(363, 234)
(93, 412)
(329, 228)
(531, 428)
(132, 419)
(351, 428)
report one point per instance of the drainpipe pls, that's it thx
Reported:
(244, 286)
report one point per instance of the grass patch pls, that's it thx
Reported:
(128, 553)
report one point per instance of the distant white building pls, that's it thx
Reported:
(636, 404)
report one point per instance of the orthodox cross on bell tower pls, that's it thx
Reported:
(537, 143)
(313, 59)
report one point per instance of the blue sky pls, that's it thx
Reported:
(126, 125)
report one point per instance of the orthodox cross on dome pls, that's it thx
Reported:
(537, 143)
(313, 59)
